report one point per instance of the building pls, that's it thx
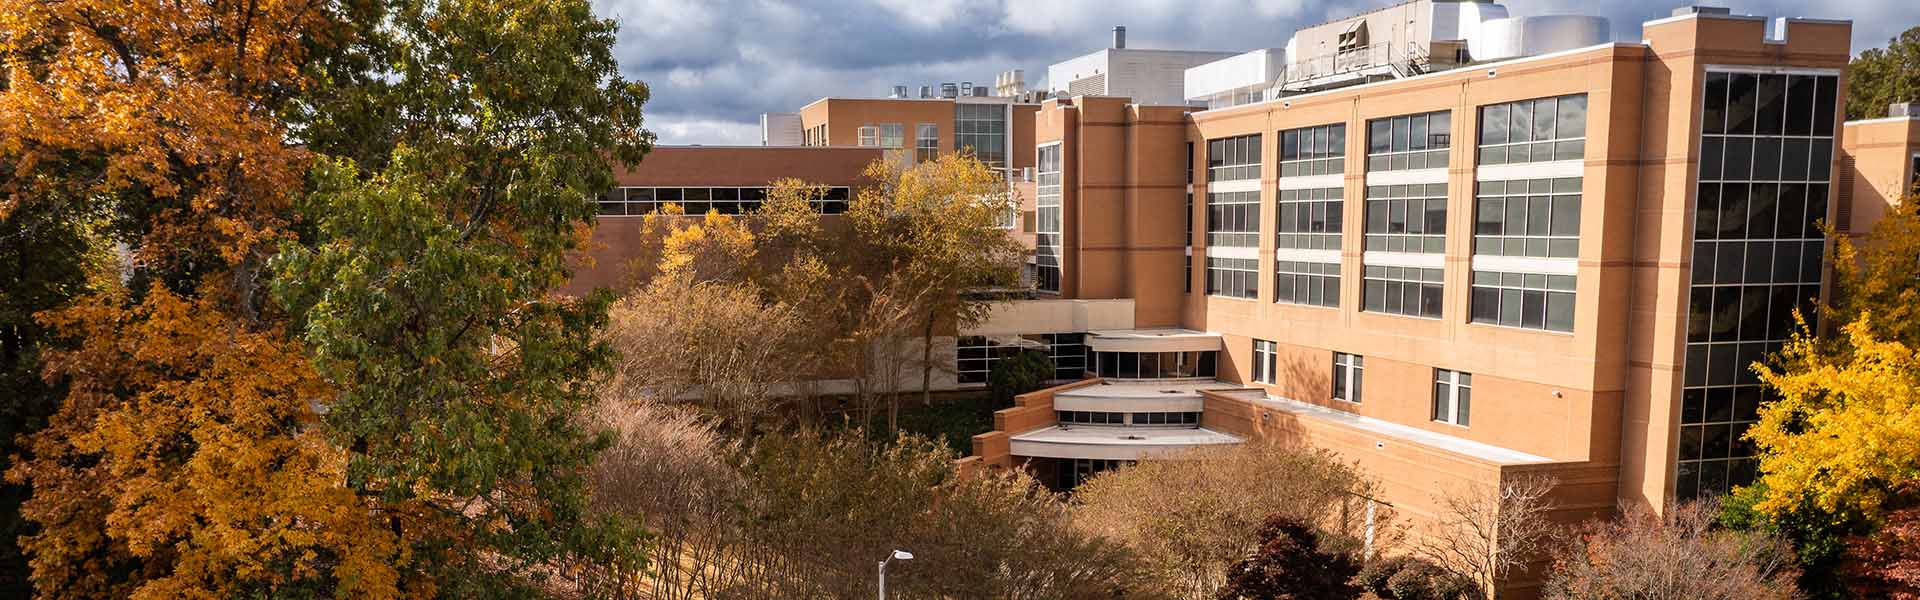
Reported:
(1531, 258)
(1145, 76)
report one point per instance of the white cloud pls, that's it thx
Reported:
(673, 129)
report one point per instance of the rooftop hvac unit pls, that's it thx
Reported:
(980, 91)
(926, 91)
(948, 90)
(900, 91)
(966, 88)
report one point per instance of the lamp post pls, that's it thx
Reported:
(897, 555)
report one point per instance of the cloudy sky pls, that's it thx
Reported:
(715, 65)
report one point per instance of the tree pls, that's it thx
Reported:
(1191, 515)
(1883, 76)
(1483, 537)
(1291, 564)
(1024, 371)
(1405, 577)
(938, 223)
(715, 341)
(1677, 555)
(1886, 563)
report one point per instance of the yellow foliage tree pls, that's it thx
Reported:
(186, 463)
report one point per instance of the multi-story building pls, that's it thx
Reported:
(1535, 257)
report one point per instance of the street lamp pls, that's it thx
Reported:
(897, 555)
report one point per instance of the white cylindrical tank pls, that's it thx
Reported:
(1528, 36)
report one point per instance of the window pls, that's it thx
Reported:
(1530, 300)
(1409, 141)
(975, 356)
(1452, 396)
(1310, 283)
(1233, 219)
(1233, 158)
(1233, 277)
(1410, 291)
(1534, 217)
(1407, 218)
(1765, 154)
(1154, 365)
(1313, 150)
(697, 201)
(1079, 470)
(1082, 417)
(893, 135)
(1542, 130)
(926, 143)
(1046, 251)
(869, 136)
(1184, 419)
(1264, 359)
(1346, 376)
(1309, 219)
(982, 128)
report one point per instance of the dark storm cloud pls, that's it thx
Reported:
(714, 66)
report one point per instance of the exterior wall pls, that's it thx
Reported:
(1055, 316)
(619, 239)
(1032, 410)
(1877, 159)
(1147, 76)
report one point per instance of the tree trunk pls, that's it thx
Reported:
(926, 363)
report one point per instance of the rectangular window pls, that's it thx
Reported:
(926, 142)
(1309, 219)
(976, 356)
(1766, 150)
(1233, 158)
(697, 201)
(1409, 291)
(1346, 376)
(869, 136)
(1452, 396)
(981, 128)
(1532, 217)
(1407, 218)
(1264, 359)
(1528, 131)
(1409, 141)
(1233, 219)
(1313, 150)
(893, 135)
(1233, 277)
(1529, 300)
(1047, 242)
(1310, 283)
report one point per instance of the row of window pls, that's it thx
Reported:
(1233, 277)
(1047, 217)
(1309, 219)
(699, 200)
(975, 356)
(1529, 300)
(1233, 158)
(1537, 130)
(1309, 283)
(982, 128)
(1409, 142)
(1546, 129)
(1736, 211)
(1233, 219)
(1318, 150)
(1409, 291)
(1740, 158)
(1082, 417)
(1768, 104)
(1536, 217)
(1407, 218)
(1155, 365)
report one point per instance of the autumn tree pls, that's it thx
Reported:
(1484, 535)
(1192, 515)
(1880, 77)
(1886, 563)
(718, 344)
(1290, 564)
(1679, 554)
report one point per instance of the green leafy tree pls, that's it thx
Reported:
(1290, 564)
(1883, 76)
(1024, 371)
(424, 290)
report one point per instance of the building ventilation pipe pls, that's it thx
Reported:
(1120, 36)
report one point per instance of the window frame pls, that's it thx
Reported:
(1456, 389)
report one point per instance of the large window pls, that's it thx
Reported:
(893, 135)
(1233, 158)
(1073, 472)
(1765, 164)
(1452, 396)
(1528, 131)
(1265, 358)
(869, 136)
(1311, 283)
(1533, 217)
(1409, 141)
(982, 127)
(1313, 150)
(1233, 277)
(926, 142)
(1154, 365)
(976, 355)
(1410, 291)
(1407, 218)
(1530, 300)
(1046, 251)
(1233, 219)
(699, 200)
(1347, 369)
(1309, 219)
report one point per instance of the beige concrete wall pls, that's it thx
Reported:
(1032, 410)
(1055, 316)
(1876, 163)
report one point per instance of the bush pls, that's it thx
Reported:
(1409, 578)
(1679, 554)
(1025, 371)
(1291, 564)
